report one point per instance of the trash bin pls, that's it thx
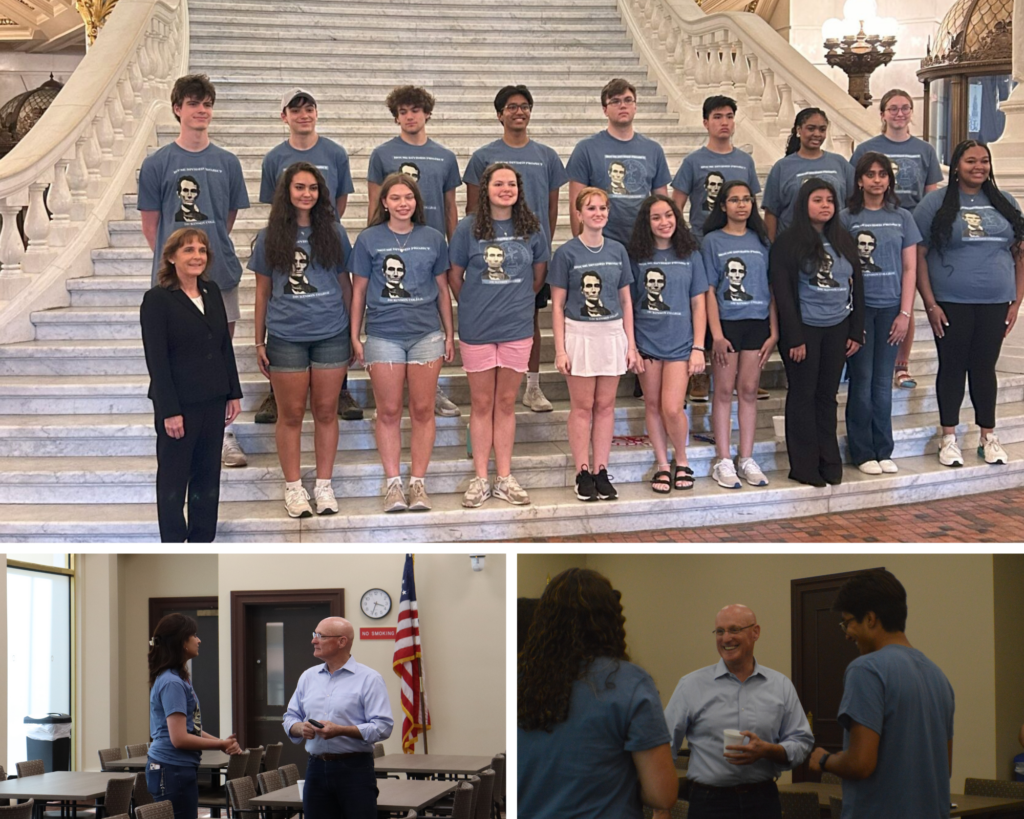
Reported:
(1018, 768)
(49, 739)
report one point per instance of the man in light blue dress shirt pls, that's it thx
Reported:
(351, 702)
(739, 694)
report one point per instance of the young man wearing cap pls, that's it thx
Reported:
(543, 174)
(434, 167)
(299, 112)
(192, 182)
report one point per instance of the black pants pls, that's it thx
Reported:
(190, 465)
(811, 405)
(970, 347)
(760, 802)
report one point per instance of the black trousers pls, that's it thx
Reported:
(970, 347)
(190, 467)
(811, 405)
(759, 802)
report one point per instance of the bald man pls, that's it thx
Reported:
(350, 702)
(737, 693)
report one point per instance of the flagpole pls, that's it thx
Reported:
(424, 711)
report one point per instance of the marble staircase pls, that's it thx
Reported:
(76, 428)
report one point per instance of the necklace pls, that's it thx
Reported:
(596, 250)
(408, 238)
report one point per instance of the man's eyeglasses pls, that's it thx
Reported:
(512, 107)
(619, 101)
(318, 636)
(902, 109)
(732, 631)
(845, 623)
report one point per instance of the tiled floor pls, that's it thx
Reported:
(991, 518)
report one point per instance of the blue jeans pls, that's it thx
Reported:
(761, 803)
(177, 784)
(340, 789)
(869, 403)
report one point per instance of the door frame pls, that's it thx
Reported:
(157, 604)
(240, 603)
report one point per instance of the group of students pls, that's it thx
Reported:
(832, 268)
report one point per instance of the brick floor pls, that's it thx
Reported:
(989, 518)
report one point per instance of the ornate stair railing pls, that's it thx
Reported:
(73, 168)
(694, 55)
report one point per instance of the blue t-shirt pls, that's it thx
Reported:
(539, 165)
(326, 155)
(662, 289)
(905, 698)
(496, 302)
(789, 173)
(583, 768)
(170, 694)
(976, 267)
(627, 169)
(881, 236)
(826, 293)
(433, 166)
(401, 296)
(306, 302)
(196, 189)
(914, 162)
(737, 267)
(702, 175)
(576, 268)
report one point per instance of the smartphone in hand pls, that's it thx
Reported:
(314, 723)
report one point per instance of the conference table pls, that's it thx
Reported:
(67, 787)
(432, 765)
(398, 795)
(965, 805)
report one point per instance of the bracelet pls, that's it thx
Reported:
(699, 349)
(929, 309)
(904, 313)
(262, 344)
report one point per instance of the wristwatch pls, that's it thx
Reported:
(821, 762)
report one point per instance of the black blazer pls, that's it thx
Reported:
(188, 354)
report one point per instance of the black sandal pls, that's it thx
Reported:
(661, 483)
(683, 478)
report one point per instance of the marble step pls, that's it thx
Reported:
(337, 116)
(232, 94)
(464, 15)
(553, 511)
(210, 37)
(400, 7)
(379, 123)
(441, 86)
(300, 65)
(540, 51)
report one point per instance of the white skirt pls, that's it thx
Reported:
(596, 347)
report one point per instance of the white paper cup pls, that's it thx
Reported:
(300, 783)
(732, 737)
(779, 422)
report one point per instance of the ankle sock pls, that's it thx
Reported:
(321, 483)
(414, 479)
(532, 380)
(397, 479)
(293, 484)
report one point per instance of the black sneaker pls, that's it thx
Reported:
(585, 489)
(603, 485)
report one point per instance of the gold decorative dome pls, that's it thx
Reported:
(975, 36)
(18, 115)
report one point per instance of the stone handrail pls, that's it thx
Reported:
(695, 55)
(101, 123)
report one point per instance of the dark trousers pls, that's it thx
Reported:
(970, 347)
(177, 784)
(719, 803)
(190, 467)
(811, 405)
(869, 402)
(340, 789)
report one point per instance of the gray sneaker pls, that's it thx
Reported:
(394, 498)
(478, 491)
(508, 489)
(443, 405)
(231, 453)
(535, 400)
(419, 500)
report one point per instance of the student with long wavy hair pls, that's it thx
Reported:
(499, 261)
(743, 324)
(887, 238)
(592, 738)
(400, 265)
(175, 720)
(970, 273)
(669, 322)
(302, 338)
(816, 280)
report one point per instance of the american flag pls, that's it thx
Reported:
(407, 659)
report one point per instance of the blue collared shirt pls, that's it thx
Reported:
(708, 701)
(353, 695)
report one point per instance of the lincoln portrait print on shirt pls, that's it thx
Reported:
(712, 185)
(297, 283)
(617, 175)
(394, 274)
(866, 244)
(974, 227)
(411, 169)
(823, 278)
(735, 273)
(593, 307)
(188, 193)
(654, 288)
(494, 256)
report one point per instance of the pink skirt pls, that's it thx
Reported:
(596, 347)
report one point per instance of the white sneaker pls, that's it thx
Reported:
(888, 466)
(752, 473)
(991, 451)
(394, 498)
(478, 491)
(870, 468)
(949, 452)
(443, 405)
(296, 503)
(510, 490)
(724, 472)
(231, 453)
(535, 400)
(326, 503)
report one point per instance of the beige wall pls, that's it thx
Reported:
(1008, 571)
(670, 602)
(534, 571)
(462, 624)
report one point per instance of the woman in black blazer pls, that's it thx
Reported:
(193, 385)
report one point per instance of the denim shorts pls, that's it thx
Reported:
(423, 350)
(298, 356)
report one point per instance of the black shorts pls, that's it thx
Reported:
(747, 334)
(540, 301)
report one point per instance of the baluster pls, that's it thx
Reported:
(770, 98)
(739, 66)
(127, 98)
(652, 8)
(641, 10)
(143, 63)
(665, 33)
(59, 203)
(105, 138)
(12, 251)
(688, 64)
(672, 40)
(654, 22)
(37, 231)
(755, 83)
(786, 110)
(137, 81)
(700, 66)
(719, 71)
(78, 181)
(93, 160)
(843, 144)
(164, 45)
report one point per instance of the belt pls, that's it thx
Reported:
(751, 787)
(336, 757)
